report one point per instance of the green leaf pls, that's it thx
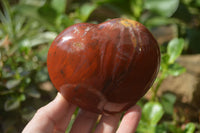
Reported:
(189, 128)
(24, 46)
(174, 129)
(161, 128)
(32, 2)
(63, 21)
(183, 9)
(28, 114)
(152, 112)
(86, 10)
(42, 75)
(21, 97)
(11, 104)
(164, 61)
(137, 7)
(175, 69)
(162, 7)
(48, 13)
(12, 83)
(194, 40)
(198, 3)
(59, 5)
(106, 1)
(174, 49)
(44, 16)
(168, 100)
(6, 16)
(42, 38)
(27, 10)
(144, 127)
(158, 21)
(71, 123)
(33, 92)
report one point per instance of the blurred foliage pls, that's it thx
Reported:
(28, 27)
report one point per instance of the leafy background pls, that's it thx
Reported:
(27, 28)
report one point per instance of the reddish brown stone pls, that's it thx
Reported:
(104, 68)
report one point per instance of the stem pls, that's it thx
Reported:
(6, 92)
(155, 91)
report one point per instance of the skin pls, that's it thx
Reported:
(55, 117)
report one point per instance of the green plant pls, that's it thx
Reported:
(23, 43)
(168, 64)
(157, 107)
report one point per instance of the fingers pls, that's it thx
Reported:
(130, 120)
(84, 122)
(108, 124)
(60, 112)
(55, 116)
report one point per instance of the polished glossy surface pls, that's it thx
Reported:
(104, 68)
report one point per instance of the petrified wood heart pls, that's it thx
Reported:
(104, 68)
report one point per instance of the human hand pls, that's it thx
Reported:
(55, 117)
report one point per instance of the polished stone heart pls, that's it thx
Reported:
(104, 68)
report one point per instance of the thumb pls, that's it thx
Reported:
(54, 116)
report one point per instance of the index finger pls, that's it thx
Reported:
(130, 120)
